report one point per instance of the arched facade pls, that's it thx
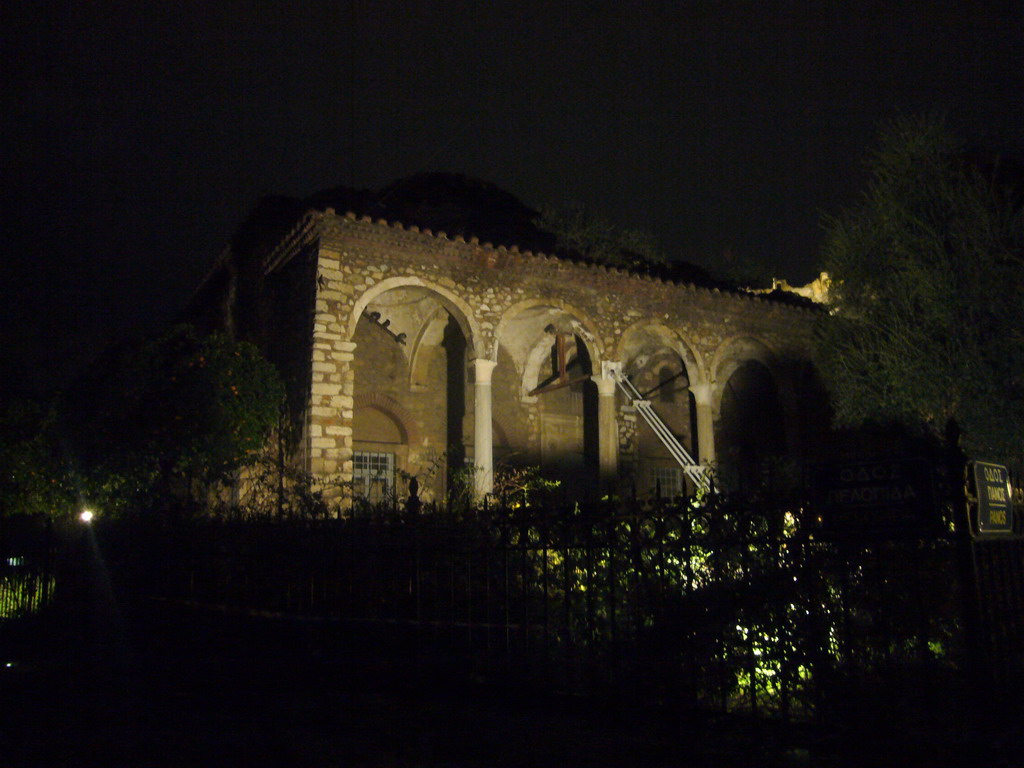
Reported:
(454, 337)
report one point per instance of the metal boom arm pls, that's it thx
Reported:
(697, 473)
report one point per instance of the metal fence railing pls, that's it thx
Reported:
(734, 607)
(28, 556)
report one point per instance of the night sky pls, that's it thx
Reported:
(137, 135)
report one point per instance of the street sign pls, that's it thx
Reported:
(995, 498)
(892, 495)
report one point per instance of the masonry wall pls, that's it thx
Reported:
(502, 301)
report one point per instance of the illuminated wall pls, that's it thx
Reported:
(451, 358)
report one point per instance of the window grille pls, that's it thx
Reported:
(373, 475)
(669, 480)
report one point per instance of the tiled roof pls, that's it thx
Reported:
(454, 207)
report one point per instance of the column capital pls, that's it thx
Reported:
(702, 393)
(605, 385)
(483, 367)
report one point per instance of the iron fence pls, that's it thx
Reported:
(731, 606)
(28, 556)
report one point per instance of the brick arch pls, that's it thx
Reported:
(392, 407)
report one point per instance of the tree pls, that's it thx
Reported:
(927, 272)
(35, 479)
(170, 415)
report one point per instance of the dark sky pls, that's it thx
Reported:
(137, 135)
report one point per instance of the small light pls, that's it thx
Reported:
(86, 516)
(14, 562)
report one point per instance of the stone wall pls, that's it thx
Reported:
(399, 315)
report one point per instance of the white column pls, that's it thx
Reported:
(703, 396)
(483, 442)
(607, 428)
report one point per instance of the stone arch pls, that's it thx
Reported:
(665, 368)
(670, 339)
(457, 307)
(532, 352)
(563, 420)
(535, 360)
(734, 352)
(405, 420)
(584, 326)
(752, 423)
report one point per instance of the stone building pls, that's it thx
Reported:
(437, 354)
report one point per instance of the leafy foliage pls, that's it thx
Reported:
(926, 278)
(36, 479)
(518, 486)
(174, 413)
(735, 604)
(272, 488)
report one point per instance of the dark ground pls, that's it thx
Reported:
(178, 688)
(97, 681)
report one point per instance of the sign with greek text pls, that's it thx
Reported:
(995, 498)
(885, 495)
